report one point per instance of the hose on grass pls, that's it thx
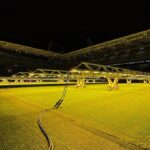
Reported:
(56, 106)
(50, 144)
(59, 102)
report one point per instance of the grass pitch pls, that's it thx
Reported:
(90, 118)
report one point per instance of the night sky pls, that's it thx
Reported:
(64, 26)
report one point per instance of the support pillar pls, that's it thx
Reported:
(129, 81)
(112, 84)
(94, 81)
(61, 80)
(80, 82)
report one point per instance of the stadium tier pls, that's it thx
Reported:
(16, 58)
(132, 52)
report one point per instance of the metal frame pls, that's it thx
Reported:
(112, 74)
(21, 74)
(48, 73)
(82, 73)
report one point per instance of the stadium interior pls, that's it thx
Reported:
(94, 106)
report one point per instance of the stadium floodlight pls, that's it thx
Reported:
(96, 72)
(86, 71)
(74, 70)
(31, 74)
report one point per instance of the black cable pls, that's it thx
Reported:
(58, 103)
(50, 144)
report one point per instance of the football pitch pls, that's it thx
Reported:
(90, 118)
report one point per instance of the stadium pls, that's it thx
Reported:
(93, 98)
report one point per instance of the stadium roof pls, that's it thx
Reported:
(126, 40)
(26, 49)
(70, 25)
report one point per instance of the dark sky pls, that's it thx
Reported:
(70, 26)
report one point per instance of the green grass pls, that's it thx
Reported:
(124, 113)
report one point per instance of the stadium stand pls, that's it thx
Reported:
(16, 58)
(132, 52)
